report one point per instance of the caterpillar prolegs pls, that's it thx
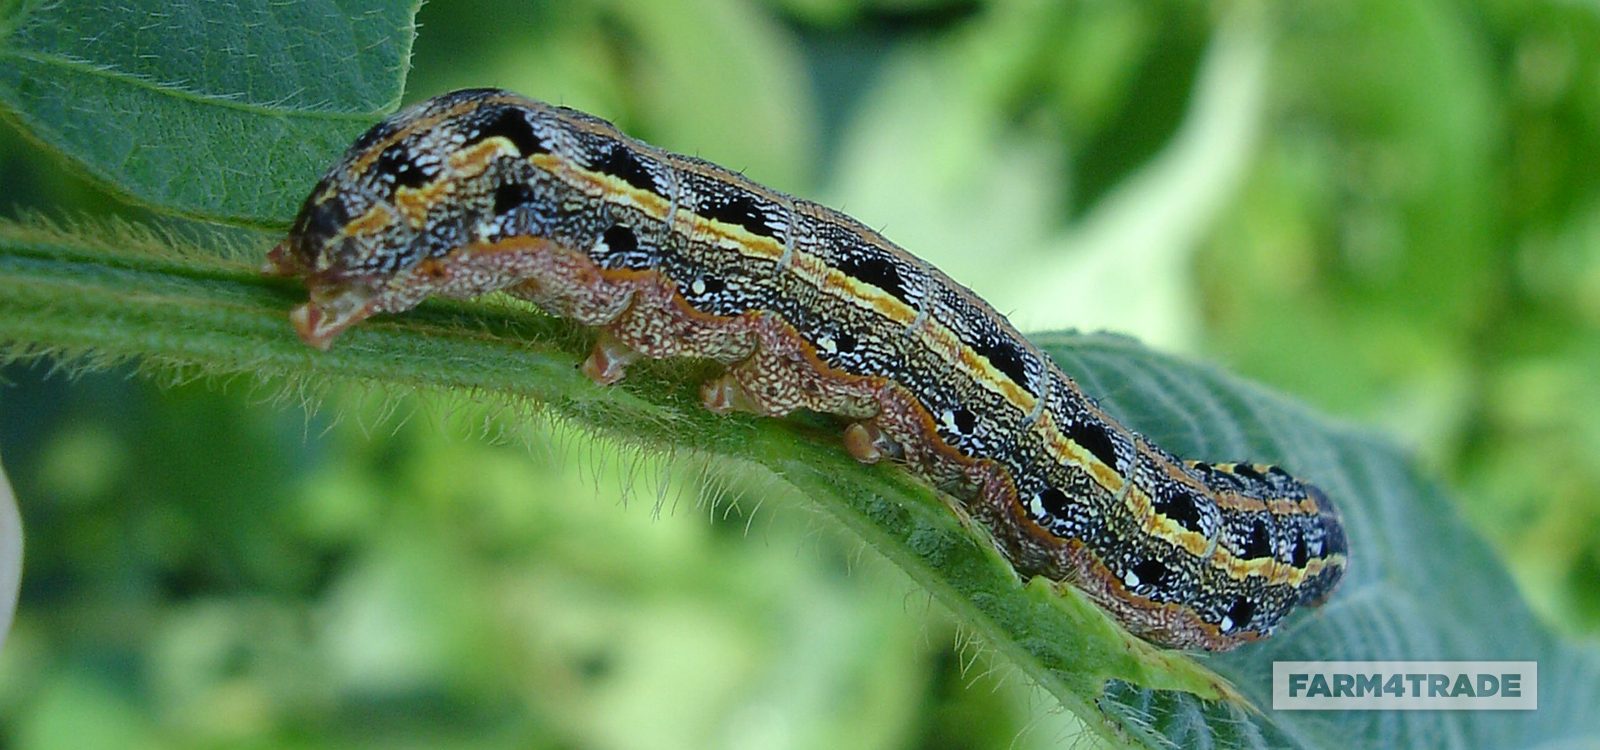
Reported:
(670, 256)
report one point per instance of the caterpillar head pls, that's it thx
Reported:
(397, 219)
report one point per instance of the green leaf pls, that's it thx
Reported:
(1421, 585)
(224, 110)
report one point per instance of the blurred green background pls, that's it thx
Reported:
(1387, 209)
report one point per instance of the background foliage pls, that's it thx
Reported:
(1383, 208)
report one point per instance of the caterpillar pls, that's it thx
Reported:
(668, 255)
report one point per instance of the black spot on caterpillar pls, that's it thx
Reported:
(877, 271)
(619, 162)
(512, 125)
(738, 211)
